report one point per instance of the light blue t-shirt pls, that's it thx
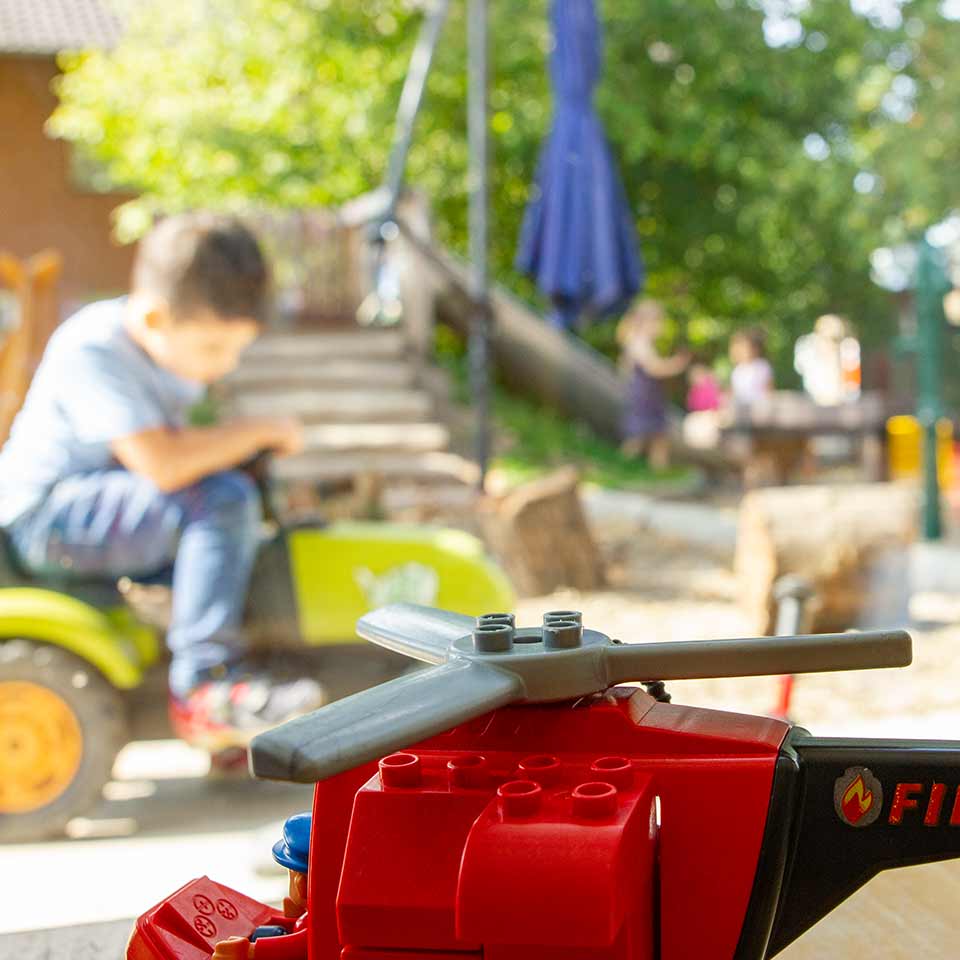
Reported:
(93, 386)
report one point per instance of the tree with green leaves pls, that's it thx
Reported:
(767, 146)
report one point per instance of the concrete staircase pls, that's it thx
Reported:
(362, 396)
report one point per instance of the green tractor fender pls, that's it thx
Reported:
(111, 641)
(344, 570)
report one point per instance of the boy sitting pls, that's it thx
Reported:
(102, 477)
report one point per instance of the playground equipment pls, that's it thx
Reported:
(514, 800)
(932, 286)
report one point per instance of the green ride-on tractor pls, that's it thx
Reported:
(76, 682)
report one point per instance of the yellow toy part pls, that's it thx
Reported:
(41, 745)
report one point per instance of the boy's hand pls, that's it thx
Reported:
(283, 435)
(174, 459)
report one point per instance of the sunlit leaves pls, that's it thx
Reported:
(762, 175)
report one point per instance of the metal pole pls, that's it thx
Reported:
(931, 286)
(477, 112)
(410, 99)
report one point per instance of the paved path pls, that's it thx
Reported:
(93, 941)
(162, 823)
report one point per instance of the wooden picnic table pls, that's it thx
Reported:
(792, 413)
(775, 435)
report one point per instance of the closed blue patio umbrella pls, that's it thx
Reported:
(578, 240)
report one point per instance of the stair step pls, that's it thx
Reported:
(376, 436)
(344, 405)
(424, 467)
(276, 372)
(327, 346)
(437, 497)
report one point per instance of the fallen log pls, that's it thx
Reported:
(850, 542)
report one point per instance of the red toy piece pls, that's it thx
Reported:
(189, 923)
(491, 839)
(604, 824)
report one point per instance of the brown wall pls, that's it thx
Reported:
(39, 205)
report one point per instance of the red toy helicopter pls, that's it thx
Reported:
(535, 809)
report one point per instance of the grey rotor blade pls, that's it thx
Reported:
(423, 633)
(379, 721)
(756, 657)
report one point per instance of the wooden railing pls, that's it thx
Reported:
(33, 283)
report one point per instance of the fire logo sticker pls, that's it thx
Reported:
(858, 797)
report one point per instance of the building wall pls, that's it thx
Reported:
(39, 204)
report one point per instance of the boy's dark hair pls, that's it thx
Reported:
(197, 260)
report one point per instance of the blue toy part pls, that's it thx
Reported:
(293, 848)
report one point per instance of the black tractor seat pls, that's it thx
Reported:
(98, 591)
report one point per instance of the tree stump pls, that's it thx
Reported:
(850, 542)
(540, 534)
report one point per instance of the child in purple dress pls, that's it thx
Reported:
(645, 427)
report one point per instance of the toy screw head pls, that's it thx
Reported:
(562, 634)
(493, 638)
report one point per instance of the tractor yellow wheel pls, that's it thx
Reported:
(41, 745)
(61, 726)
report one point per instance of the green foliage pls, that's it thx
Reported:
(536, 440)
(739, 157)
(230, 103)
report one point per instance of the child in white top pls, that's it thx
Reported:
(752, 377)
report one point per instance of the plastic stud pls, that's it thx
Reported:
(493, 638)
(401, 770)
(595, 800)
(541, 767)
(520, 798)
(615, 770)
(468, 771)
(507, 618)
(562, 635)
(575, 615)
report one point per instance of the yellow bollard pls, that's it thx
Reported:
(945, 468)
(905, 449)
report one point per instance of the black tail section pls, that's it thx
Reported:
(842, 811)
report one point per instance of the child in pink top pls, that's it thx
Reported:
(704, 391)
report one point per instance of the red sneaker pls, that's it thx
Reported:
(221, 714)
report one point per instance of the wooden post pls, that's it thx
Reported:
(33, 282)
(540, 534)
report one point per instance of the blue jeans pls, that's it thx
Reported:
(114, 523)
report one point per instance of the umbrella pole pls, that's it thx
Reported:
(479, 341)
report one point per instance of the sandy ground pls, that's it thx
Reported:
(662, 590)
(162, 821)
